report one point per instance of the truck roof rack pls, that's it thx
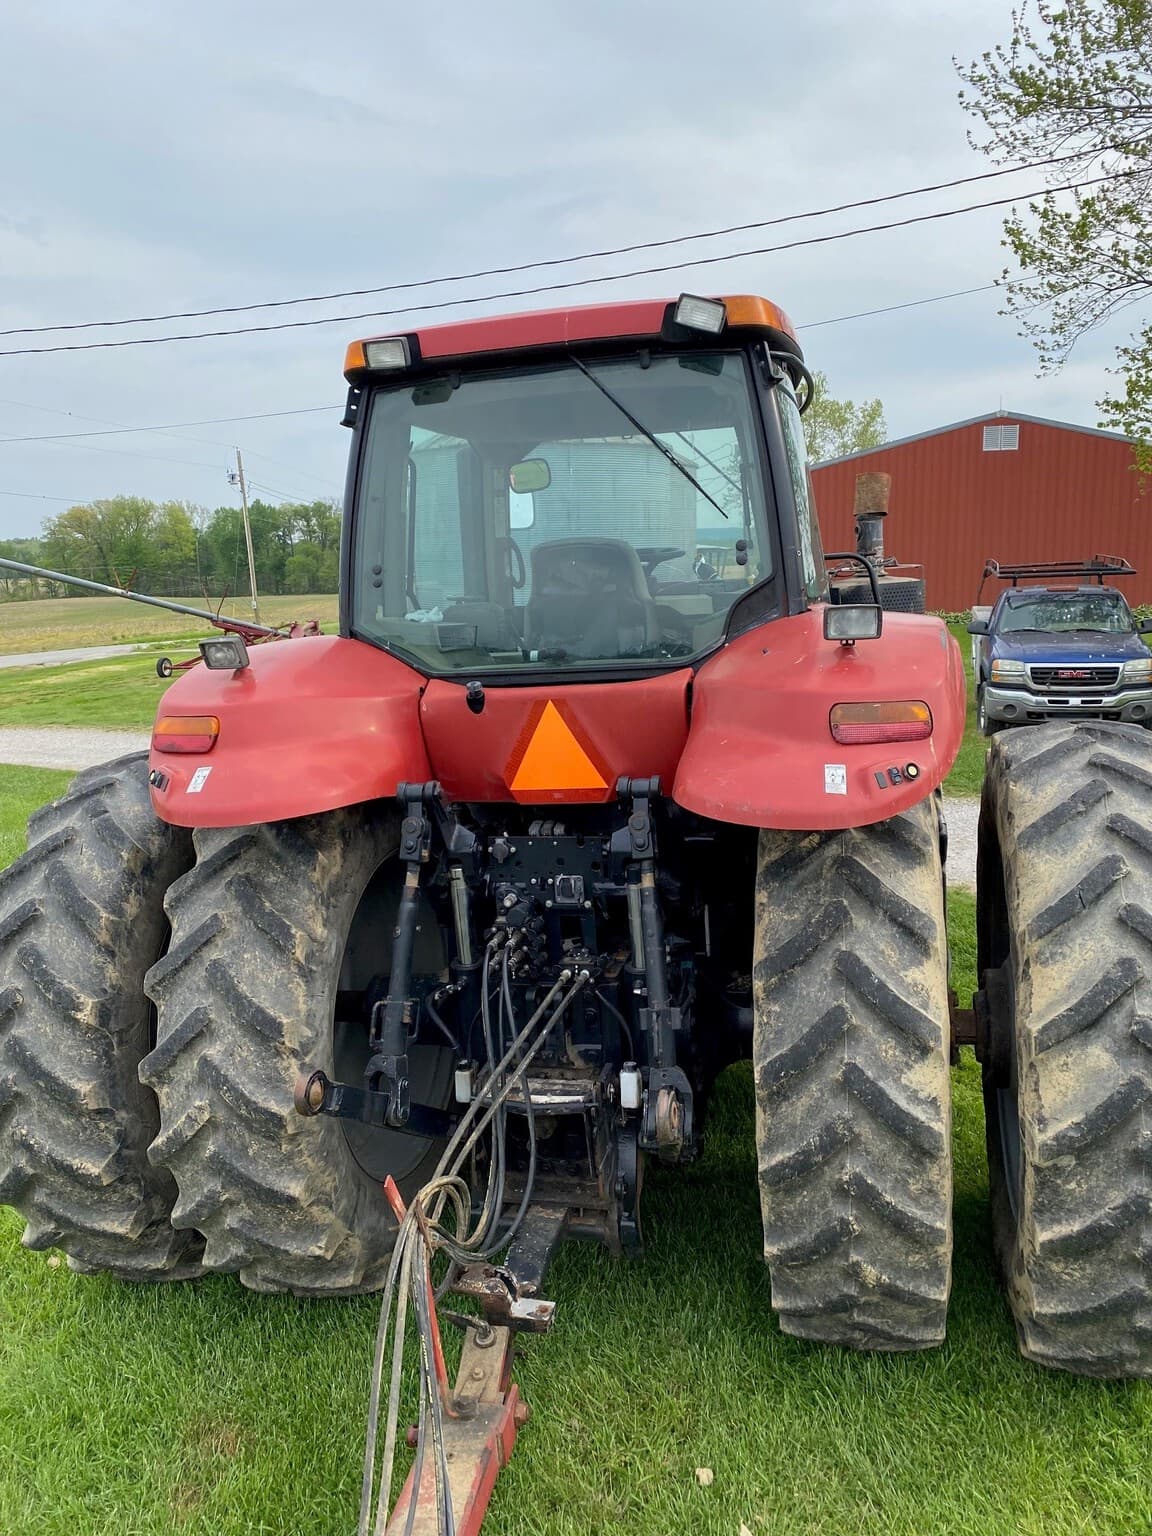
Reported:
(1099, 566)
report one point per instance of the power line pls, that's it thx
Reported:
(76, 501)
(293, 498)
(119, 427)
(890, 309)
(812, 325)
(128, 453)
(307, 474)
(55, 437)
(555, 261)
(583, 282)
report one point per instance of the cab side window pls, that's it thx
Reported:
(808, 531)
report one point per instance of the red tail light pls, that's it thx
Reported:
(185, 733)
(906, 720)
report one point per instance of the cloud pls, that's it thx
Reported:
(225, 154)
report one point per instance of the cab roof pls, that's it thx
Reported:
(560, 327)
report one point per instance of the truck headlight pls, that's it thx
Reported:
(1138, 671)
(1007, 671)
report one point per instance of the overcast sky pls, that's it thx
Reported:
(159, 159)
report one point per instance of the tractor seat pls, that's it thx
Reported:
(589, 599)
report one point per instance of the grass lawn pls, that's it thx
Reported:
(54, 624)
(120, 693)
(208, 1410)
(22, 790)
(968, 770)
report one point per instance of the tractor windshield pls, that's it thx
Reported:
(560, 515)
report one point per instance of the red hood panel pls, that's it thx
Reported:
(555, 745)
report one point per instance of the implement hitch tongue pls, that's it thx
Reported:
(465, 1432)
(465, 1438)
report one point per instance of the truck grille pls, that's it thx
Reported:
(1074, 679)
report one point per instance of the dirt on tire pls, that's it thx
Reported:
(81, 921)
(1065, 928)
(246, 997)
(853, 1108)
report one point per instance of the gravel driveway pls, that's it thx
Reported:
(58, 658)
(962, 814)
(47, 746)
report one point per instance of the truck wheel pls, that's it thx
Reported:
(853, 1112)
(984, 725)
(1064, 906)
(81, 920)
(274, 928)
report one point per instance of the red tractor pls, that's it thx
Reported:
(596, 778)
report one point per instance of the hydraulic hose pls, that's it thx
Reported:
(408, 1271)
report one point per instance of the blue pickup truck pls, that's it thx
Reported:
(1059, 652)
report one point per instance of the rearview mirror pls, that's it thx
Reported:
(978, 627)
(529, 475)
(1144, 627)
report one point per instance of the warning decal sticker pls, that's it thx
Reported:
(553, 760)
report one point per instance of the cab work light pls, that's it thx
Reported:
(185, 733)
(701, 314)
(393, 353)
(849, 622)
(856, 724)
(226, 655)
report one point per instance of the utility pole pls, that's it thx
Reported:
(237, 478)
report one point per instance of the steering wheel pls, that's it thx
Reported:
(517, 571)
(655, 554)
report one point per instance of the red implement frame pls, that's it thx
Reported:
(251, 634)
(482, 1416)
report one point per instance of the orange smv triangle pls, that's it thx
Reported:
(554, 762)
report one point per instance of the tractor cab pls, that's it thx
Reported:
(619, 501)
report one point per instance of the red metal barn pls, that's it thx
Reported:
(1005, 486)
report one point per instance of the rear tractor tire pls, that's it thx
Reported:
(1064, 908)
(274, 928)
(853, 1112)
(81, 920)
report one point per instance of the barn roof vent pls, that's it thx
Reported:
(1001, 439)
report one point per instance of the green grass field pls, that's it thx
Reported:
(208, 1410)
(54, 624)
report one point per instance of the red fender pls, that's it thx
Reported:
(761, 753)
(311, 725)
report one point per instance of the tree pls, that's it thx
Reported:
(126, 541)
(1078, 83)
(836, 427)
(103, 540)
(311, 569)
(14, 586)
